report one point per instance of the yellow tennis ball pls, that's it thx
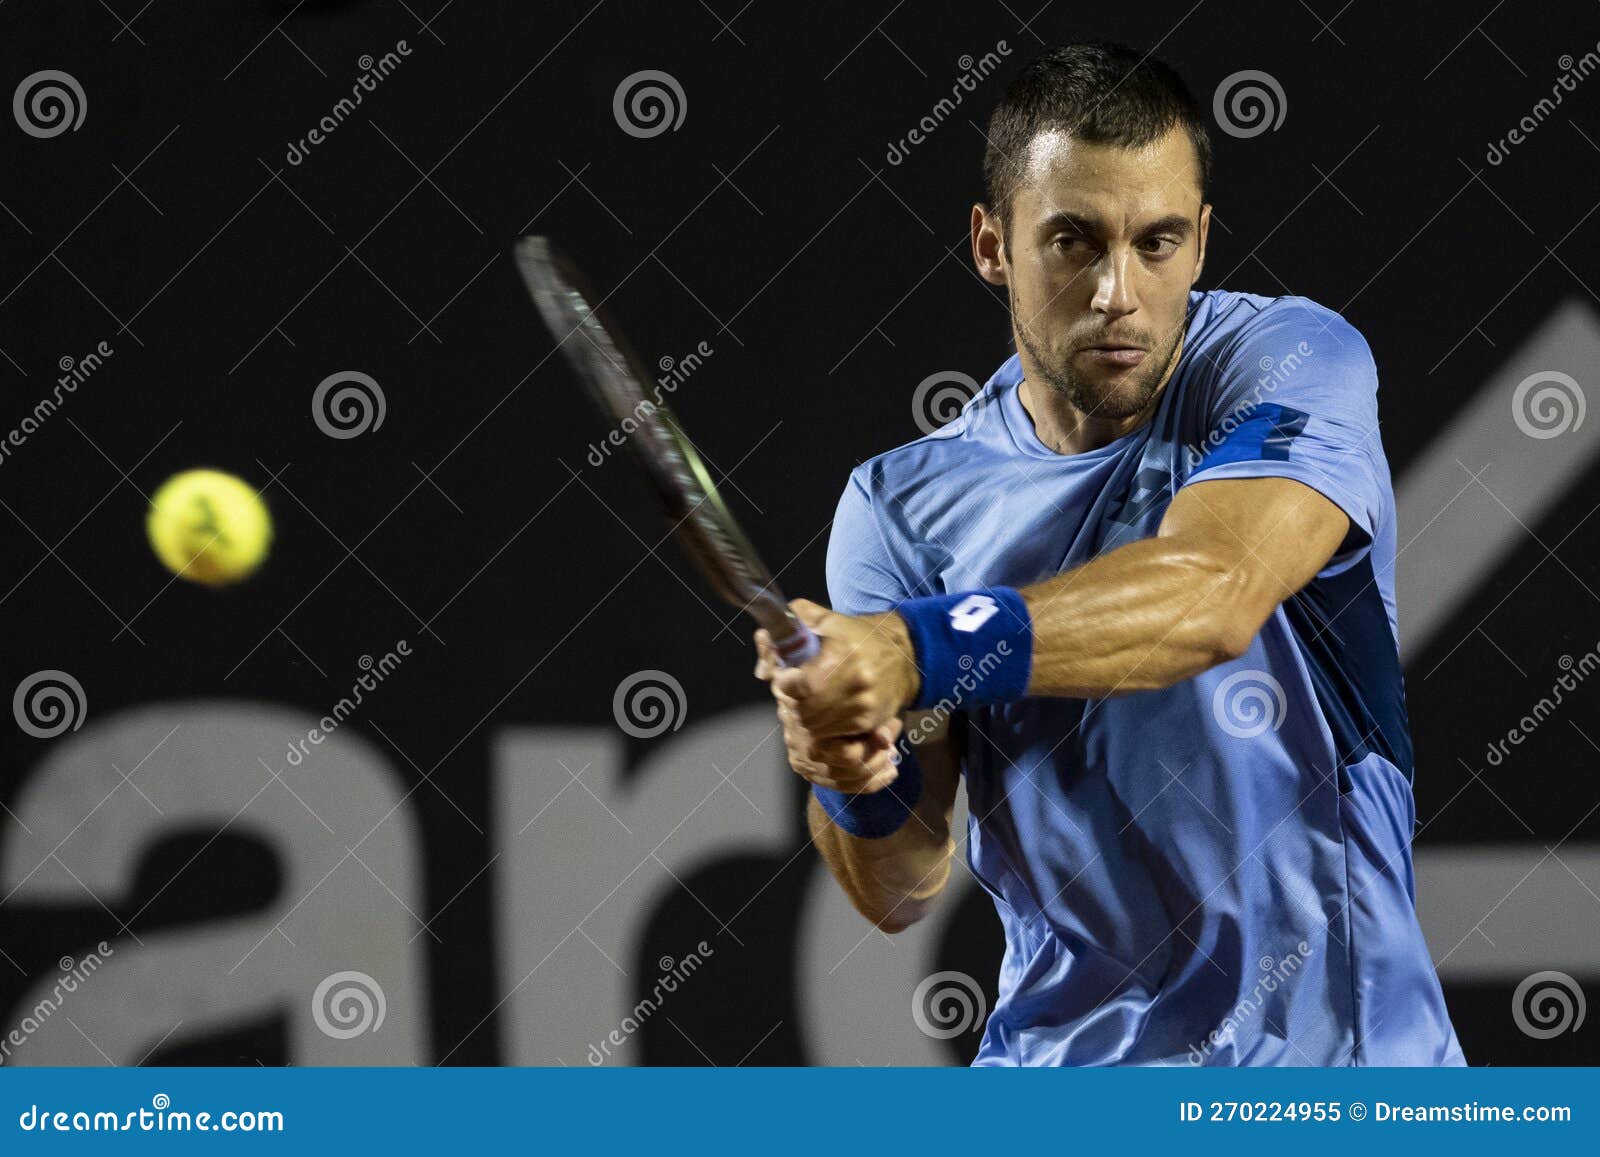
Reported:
(209, 527)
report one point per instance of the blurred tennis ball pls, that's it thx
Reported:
(209, 527)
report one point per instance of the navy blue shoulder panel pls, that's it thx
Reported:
(1343, 631)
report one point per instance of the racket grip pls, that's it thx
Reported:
(799, 647)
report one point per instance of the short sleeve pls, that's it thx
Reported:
(1297, 397)
(862, 578)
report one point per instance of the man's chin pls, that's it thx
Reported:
(1112, 400)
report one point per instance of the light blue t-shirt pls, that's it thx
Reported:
(1218, 872)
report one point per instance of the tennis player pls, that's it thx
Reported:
(1139, 595)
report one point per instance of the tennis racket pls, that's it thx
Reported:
(615, 379)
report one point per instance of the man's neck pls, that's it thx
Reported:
(1068, 430)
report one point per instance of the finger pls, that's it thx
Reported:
(835, 721)
(850, 749)
(873, 772)
(766, 656)
(867, 781)
(853, 775)
(884, 737)
(795, 682)
(881, 780)
(864, 783)
(844, 754)
(797, 685)
(811, 614)
(825, 695)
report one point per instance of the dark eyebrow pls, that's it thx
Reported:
(1070, 221)
(1091, 227)
(1171, 223)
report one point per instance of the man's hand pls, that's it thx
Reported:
(841, 711)
(841, 721)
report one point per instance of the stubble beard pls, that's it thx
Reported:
(1116, 402)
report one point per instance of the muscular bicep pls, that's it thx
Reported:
(1269, 536)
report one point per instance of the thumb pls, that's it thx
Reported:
(810, 613)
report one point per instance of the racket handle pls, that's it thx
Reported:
(799, 647)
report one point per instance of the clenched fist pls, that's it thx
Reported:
(841, 711)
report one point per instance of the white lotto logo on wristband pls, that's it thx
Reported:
(972, 612)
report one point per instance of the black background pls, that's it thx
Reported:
(828, 283)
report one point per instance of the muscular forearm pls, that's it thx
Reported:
(894, 880)
(1156, 612)
(1148, 615)
(1163, 609)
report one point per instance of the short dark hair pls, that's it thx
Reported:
(1096, 92)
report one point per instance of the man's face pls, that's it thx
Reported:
(1103, 246)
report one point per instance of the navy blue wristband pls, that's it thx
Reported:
(973, 648)
(880, 813)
